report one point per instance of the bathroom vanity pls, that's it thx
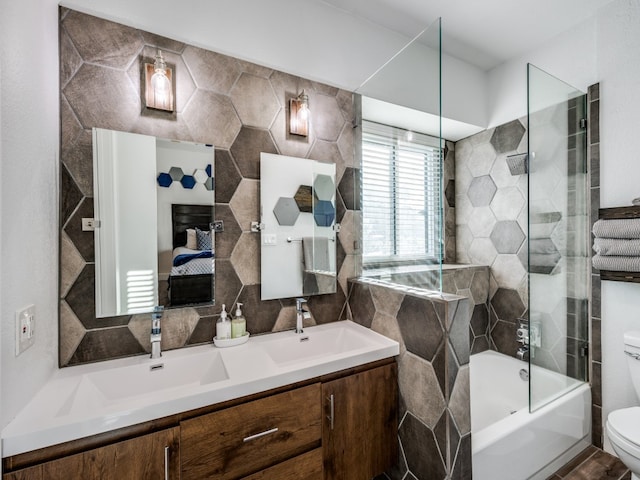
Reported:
(305, 415)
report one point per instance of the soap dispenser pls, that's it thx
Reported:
(238, 324)
(223, 326)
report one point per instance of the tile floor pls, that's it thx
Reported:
(593, 464)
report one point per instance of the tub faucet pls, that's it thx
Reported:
(156, 332)
(301, 314)
(523, 353)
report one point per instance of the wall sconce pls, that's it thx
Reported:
(158, 84)
(299, 115)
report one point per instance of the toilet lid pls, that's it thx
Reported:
(626, 423)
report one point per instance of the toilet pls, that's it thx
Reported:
(623, 426)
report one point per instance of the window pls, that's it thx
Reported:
(401, 200)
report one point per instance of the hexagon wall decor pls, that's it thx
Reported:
(324, 187)
(324, 213)
(286, 211)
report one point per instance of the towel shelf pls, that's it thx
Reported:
(614, 214)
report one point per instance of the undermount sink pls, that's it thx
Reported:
(104, 387)
(314, 343)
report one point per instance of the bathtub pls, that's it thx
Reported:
(508, 442)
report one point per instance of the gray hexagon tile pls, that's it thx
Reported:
(349, 188)
(507, 203)
(71, 264)
(212, 119)
(254, 69)
(163, 43)
(286, 211)
(420, 327)
(481, 191)
(326, 118)
(481, 161)
(73, 333)
(482, 222)
(103, 97)
(70, 59)
(287, 86)
(245, 203)
(326, 152)
(211, 71)
(255, 101)
(177, 326)
(103, 42)
(420, 389)
(247, 147)
(507, 236)
(508, 270)
(245, 258)
(226, 241)
(227, 176)
(507, 304)
(507, 137)
(482, 251)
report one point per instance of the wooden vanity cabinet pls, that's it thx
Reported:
(360, 432)
(341, 426)
(148, 457)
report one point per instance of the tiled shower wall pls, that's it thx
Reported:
(491, 226)
(239, 107)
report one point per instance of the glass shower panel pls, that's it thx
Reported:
(402, 194)
(558, 237)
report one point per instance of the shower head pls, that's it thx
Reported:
(518, 164)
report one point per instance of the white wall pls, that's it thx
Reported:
(28, 194)
(618, 53)
(571, 57)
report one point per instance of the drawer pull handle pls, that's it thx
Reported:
(166, 463)
(258, 435)
(331, 411)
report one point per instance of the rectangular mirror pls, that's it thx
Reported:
(298, 228)
(153, 218)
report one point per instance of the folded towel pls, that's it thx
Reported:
(617, 228)
(616, 263)
(542, 245)
(617, 246)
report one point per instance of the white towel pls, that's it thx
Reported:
(617, 228)
(616, 263)
(617, 247)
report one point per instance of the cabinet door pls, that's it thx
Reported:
(360, 430)
(148, 457)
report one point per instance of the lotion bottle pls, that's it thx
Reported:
(238, 324)
(223, 326)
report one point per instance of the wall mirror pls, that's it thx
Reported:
(153, 221)
(298, 227)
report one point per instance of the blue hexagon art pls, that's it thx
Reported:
(165, 180)
(324, 213)
(188, 181)
(209, 170)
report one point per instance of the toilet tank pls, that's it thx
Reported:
(632, 352)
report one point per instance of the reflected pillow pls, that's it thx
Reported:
(192, 243)
(203, 239)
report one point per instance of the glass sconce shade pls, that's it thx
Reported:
(159, 85)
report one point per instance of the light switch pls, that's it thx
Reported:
(269, 239)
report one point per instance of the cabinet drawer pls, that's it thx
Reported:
(307, 466)
(241, 440)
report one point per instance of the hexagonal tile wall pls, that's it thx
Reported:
(239, 107)
(324, 188)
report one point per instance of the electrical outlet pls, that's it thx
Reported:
(25, 328)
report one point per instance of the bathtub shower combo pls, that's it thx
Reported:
(531, 412)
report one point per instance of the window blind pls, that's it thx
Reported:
(401, 200)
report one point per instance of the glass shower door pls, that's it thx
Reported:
(558, 237)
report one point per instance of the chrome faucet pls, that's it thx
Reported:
(301, 314)
(156, 331)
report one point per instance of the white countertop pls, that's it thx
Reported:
(90, 399)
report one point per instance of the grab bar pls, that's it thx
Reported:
(635, 356)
